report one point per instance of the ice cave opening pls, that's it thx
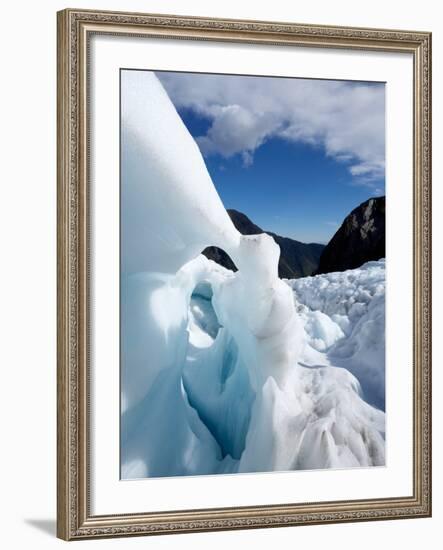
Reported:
(203, 323)
(214, 378)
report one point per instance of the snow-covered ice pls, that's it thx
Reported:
(344, 316)
(228, 372)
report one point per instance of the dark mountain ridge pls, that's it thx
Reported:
(297, 259)
(360, 239)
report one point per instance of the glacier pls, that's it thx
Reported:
(225, 372)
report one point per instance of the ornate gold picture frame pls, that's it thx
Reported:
(75, 519)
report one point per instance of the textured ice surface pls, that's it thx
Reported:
(228, 372)
(344, 315)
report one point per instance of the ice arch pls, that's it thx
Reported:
(244, 403)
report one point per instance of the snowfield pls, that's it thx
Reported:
(228, 372)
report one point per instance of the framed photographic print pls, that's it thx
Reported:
(243, 274)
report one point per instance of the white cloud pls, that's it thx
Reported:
(346, 119)
(247, 158)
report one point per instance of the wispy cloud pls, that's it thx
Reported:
(346, 119)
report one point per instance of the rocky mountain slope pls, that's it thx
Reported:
(360, 239)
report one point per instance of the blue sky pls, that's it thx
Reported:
(295, 155)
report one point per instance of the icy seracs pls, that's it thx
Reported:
(222, 372)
